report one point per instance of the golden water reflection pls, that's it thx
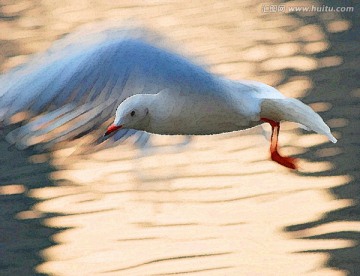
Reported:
(215, 207)
(172, 212)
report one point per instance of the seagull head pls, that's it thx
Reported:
(131, 113)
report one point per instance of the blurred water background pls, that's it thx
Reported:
(217, 206)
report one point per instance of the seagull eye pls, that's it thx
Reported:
(132, 113)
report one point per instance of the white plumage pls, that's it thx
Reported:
(75, 87)
(77, 84)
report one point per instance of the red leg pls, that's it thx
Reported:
(288, 162)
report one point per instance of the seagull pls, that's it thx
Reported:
(76, 86)
(228, 106)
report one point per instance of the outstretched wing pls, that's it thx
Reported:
(75, 87)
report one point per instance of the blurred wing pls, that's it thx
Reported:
(75, 87)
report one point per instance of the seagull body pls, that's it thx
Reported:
(191, 113)
(83, 79)
(238, 106)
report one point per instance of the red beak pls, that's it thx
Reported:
(111, 129)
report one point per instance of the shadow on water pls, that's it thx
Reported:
(339, 85)
(22, 232)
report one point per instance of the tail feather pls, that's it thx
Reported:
(293, 110)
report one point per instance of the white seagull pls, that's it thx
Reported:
(75, 87)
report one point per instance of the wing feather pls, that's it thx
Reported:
(82, 78)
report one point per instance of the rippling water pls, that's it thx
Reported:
(216, 206)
